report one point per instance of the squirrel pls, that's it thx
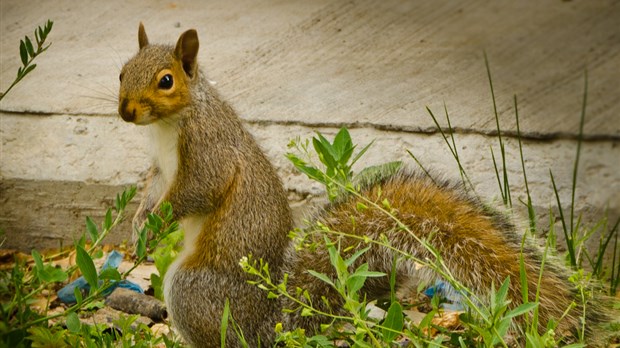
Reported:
(231, 203)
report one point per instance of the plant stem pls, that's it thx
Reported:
(579, 141)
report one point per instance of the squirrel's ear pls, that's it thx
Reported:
(143, 40)
(187, 51)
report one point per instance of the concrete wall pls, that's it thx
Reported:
(291, 68)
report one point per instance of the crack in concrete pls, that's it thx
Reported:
(534, 136)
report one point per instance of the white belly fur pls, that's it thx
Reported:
(164, 145)
(191, 225)
(164, 140)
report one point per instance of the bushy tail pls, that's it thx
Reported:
(420, 218)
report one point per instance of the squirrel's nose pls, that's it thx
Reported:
(127, 112)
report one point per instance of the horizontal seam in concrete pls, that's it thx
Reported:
(382, 127)
(434, 130)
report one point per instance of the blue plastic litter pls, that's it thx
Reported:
(67, 295)
(452, 298)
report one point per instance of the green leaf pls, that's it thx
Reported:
(426, 321)
(42, 35)
(361, 344)
(325, 152)
(361, 153)
(502, 293)
(334, 256)
(356, 280)
(328, 146)
(394, 320)
(378, 171)
(110, 274)
(355, 283)
(46, 272)
(124, 198)
(311, 172)
(224, 324)
(131, 193)
(38, 261)
(343, 146)
(23, 52)
(117, 202)
(355, 256)
(73, 322)
(107, 223)
(78, 295)
(345, 156)
(321, 341)
(29, 47)
(157, 284)
(523, 274)
(521, 309)
(271, 295)
(91, 228)
(386, 204)
(141, 245)
(48, 26)
(166, 211)
(54, 274)
(87, 267)
(321, 276)
(28, 69)
(502, 329)
(370, 274)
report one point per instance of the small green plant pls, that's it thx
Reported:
(163, 247)
(23, 326)
(163, 256)
(27, 283)
(29, 51)
(337, 160)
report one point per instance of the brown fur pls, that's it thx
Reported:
(478, 246)
(223, 180)
(231, 203)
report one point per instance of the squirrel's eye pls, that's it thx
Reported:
(120, 77)
(166, 82)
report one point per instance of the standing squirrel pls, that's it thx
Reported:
(231, 203)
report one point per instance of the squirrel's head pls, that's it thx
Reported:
(156, 82)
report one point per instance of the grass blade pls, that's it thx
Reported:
(530, 207)
(452, 150)
(615, 261)
(422, 167)
(567, 237)
(579, 141)
(505, 187)
(224, 324)
(598, 267)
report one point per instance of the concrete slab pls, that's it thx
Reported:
(362, 63)
(292, 67)
(92, 39)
